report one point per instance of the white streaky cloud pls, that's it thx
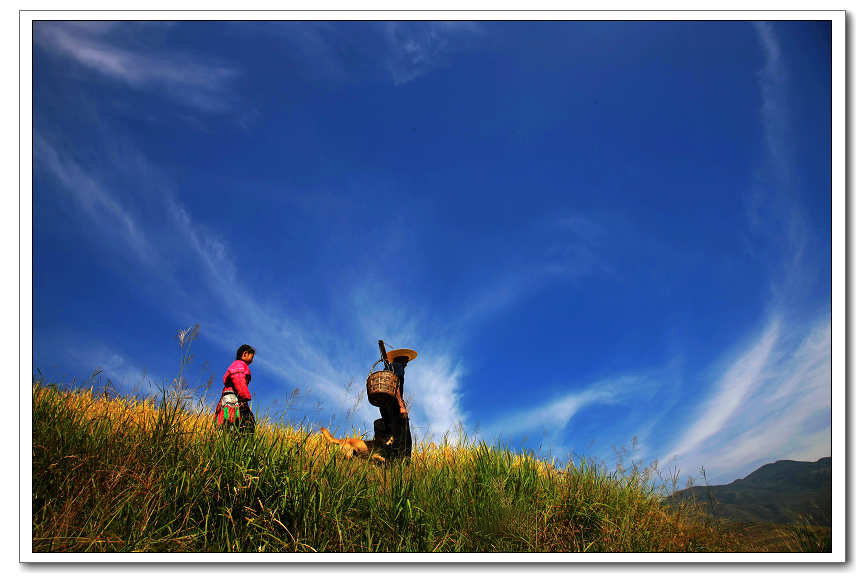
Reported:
(767, 209)
(785, 413)
(432, 392)
(310, 356)
(572, 249)
(302, 352)
(382, 314)
(774, 109)
(810, 446)
(323, 384)
(778, 436)
(210, 253)
(90, 27)
(551, 418)
(325, 361)
(779, 225)
(178, 76)
(795, 398)
(809, 371)
(115, 368)
(302, 358)
(93, 198)
(774, 402)
(417, 48)
(498, 294)
(404, 50)
(553, 415)
(433, 379)
(315, 48)
(740, 379)
(204, 254)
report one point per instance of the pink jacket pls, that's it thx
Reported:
(237, 378)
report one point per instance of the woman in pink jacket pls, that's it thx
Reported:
(236, 380)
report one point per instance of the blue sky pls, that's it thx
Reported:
(590, 231)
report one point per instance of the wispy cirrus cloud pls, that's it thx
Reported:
(775, 109)
(738, 382)
(93, 198)
(772, 402)
(342, 52)
(553, 417)
(572, 249)
(416, 48)
(327, 362)
(112, 367)
(773, 206)
(99, 47)
(436, 385)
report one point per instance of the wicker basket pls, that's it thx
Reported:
(381, 387)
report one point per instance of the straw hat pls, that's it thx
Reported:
(411, 354)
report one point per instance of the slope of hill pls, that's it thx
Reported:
(112, 475)
(783, 492)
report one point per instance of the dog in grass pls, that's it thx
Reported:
(351, 446)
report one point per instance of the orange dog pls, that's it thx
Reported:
(351, 446)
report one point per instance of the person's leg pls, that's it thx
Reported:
(247, 419)
(402, 438)
(380, 430)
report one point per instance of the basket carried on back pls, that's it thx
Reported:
(381, 387)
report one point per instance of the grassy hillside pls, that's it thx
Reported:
(124, 475)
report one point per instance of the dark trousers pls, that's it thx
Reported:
(402, 439)
(392, 425)
(247, 419)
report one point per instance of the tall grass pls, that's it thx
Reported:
(122, 475)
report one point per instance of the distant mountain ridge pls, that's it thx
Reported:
(781, 492)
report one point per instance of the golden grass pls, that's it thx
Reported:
(123, 474)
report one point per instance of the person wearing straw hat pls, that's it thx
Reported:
(394, 416)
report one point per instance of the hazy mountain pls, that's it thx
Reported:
(780, 492)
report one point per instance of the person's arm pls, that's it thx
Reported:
(238, 381)
(403, 410)
(399, 370)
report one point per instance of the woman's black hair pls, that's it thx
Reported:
(244, 348)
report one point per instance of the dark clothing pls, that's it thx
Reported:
(392, 424)
(247, 419)
(398, 369)
(401, 438)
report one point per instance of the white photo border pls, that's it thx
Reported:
(838, 287)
